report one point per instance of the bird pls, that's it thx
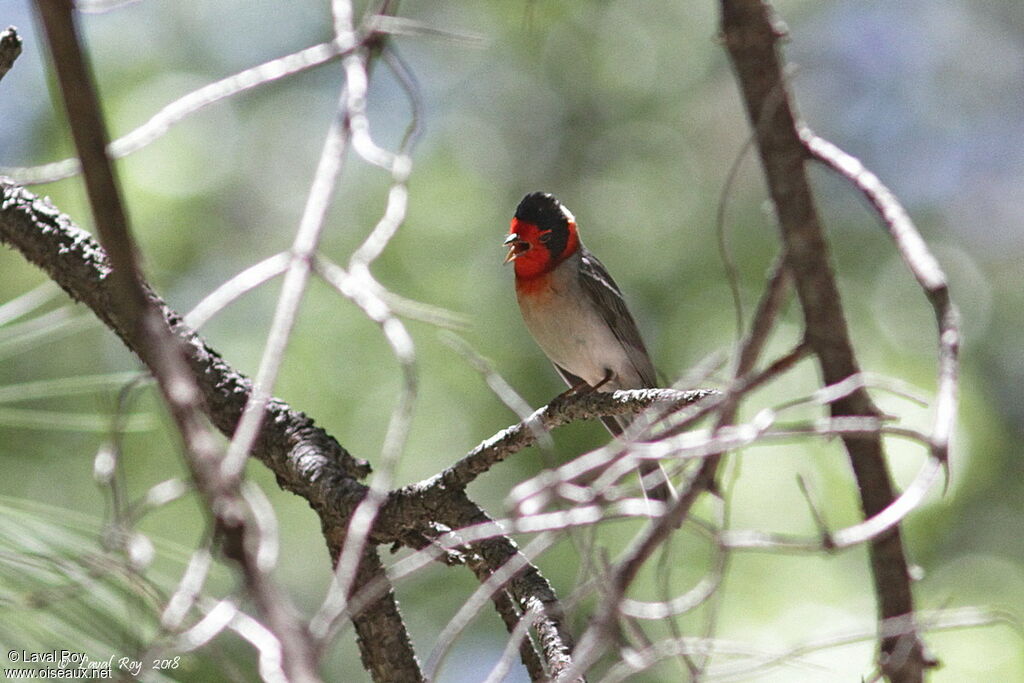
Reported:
(577, 315)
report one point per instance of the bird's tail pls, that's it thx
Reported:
(652, 475)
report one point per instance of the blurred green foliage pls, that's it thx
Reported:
(630, 114)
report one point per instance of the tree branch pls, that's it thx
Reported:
(160, 349)
(384, 644)
(560, 411)
(306, 460)
(919, 260)
(528, 589)
(182, 108)
(750, 34)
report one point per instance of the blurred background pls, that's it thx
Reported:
(629, 113)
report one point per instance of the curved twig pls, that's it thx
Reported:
(751, 33)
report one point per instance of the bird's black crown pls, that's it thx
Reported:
(543, 210)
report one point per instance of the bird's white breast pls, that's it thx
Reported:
(569, 328)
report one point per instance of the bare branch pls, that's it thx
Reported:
(747, 662)
(305, 459)
(296, 278)
(175, 112)
(245, 281)
(361, 524)
(472, 606)
(562, 410)
(750, 33)
(384, 643)
(505, 392)
(163, 352)
(530, 591)
(922, 265)
(289, 443)
(517, 640)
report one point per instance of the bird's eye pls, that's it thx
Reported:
(545, 237)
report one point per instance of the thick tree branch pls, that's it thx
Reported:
(306, 460)
(160, 349)
(750, 34)
(528, 590)
(384, 644)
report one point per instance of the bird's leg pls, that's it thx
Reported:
(608, 374)
(582, 387)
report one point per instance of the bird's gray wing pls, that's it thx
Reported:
(599, 286)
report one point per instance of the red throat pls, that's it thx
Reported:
(538, 260)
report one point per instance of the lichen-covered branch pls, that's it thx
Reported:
(560, 411)
(305, 459)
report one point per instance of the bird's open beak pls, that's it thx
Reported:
(515, 247)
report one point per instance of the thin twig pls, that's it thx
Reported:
(933, 620)
(228, 292)
(292, 290)
(616, 460)
(926, 270)
(530, 591)
(732, 273)
(517, 640)
(358, 285)
(180, 109)
(499, 386)
(817, 514)
(363, 517)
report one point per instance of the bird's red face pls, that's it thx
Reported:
(542, 235)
